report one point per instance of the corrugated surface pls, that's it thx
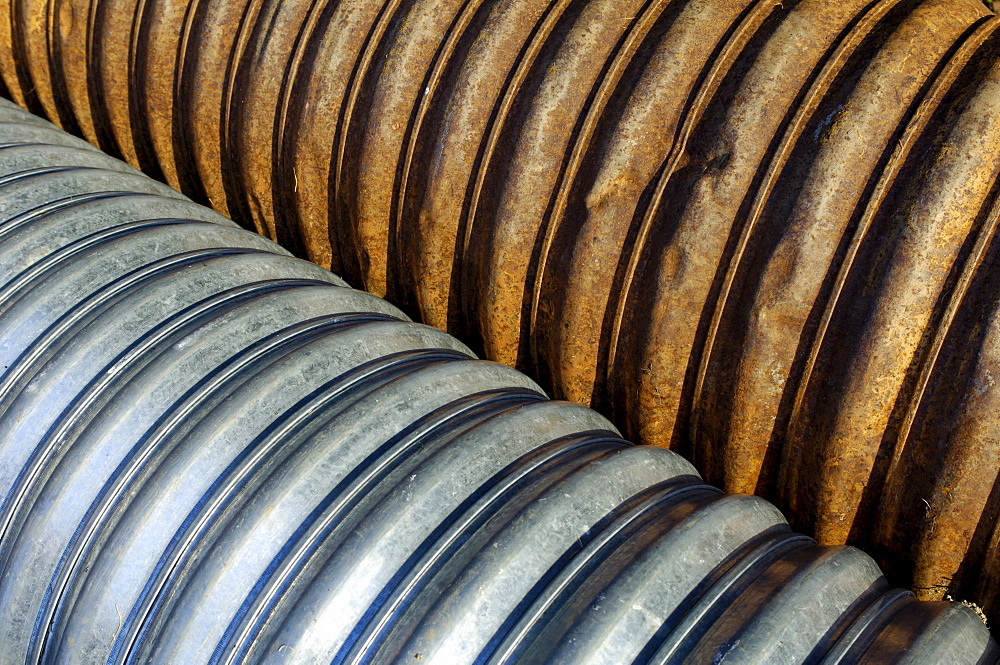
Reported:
(759, 233)
(211, 452)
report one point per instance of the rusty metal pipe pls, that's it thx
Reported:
(759, 233)
(212, 452)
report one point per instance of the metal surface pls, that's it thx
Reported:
(212, 452)
(759, 233)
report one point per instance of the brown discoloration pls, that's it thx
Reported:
(844, 426)
(376, 126)
(510, 221)
(69, 26)
(108, 70)
(210, 29)
(794, 233)
(617, 157)
(697, 208)
(760, 232)
(253, 92)
(29, 36)
(940, 500)
(311, 113)
(444, 148)
(8, 54)
(156, 39)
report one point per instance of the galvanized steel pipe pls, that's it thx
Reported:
(761, 233)
(211, 452)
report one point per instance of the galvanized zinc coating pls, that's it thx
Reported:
(759, 233)
(212, 452)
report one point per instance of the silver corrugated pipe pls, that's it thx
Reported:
(211, 452)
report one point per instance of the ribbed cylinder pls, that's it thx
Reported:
(761, 233)
(212, 452)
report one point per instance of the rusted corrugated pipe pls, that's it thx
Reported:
(211, 452)
(760, 233)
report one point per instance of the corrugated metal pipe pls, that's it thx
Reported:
(212, 452)
(761, 233)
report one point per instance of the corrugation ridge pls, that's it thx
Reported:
(562, 454)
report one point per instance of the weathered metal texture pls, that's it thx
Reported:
(9, 56)
(892, 304)
(109, 76)
(29, 25)
(386, 94)
(212, 452)
(325, 61)
(484, 68)
(260, 69)
(755, 232)
(798, 373)
(770, 299)
(155, 42)
(624, 140)
(908, 282)
(69, 30)
(210, 29)
(508, 221)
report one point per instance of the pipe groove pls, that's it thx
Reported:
(214, 452)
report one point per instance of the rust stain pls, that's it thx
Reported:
(762, 233)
